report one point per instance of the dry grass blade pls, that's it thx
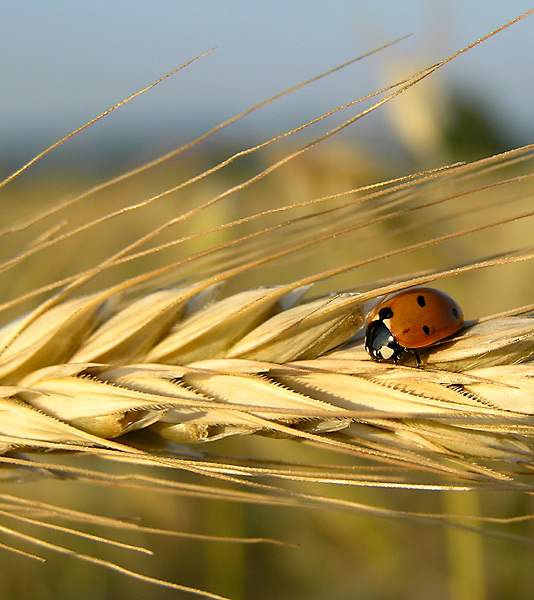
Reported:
(107, 564)
(104, 114)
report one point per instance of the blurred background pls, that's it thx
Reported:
(63, 63)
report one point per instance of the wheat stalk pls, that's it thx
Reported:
(255, 362)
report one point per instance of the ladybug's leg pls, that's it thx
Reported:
(417, 358)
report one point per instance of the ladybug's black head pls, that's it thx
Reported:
(380, 343)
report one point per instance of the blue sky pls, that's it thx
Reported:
(62, 62)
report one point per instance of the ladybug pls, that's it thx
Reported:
(414, 318)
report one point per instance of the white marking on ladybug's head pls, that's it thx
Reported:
(386, 352)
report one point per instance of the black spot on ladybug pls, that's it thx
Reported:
(385, 313)
(426, 329)
(455, 313)
(421, 301)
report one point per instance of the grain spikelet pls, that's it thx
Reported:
(306, 331)
(135, 329)
(89, 404)
(211, 331)
(46, 338)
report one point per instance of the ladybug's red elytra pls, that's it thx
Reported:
(414, 318)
